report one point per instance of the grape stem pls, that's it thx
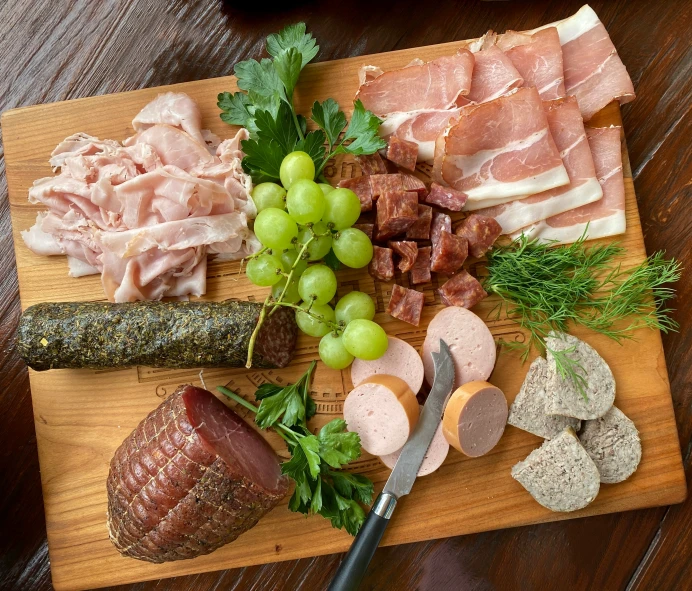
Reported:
(253, 337)
(289, 278)
(334, 327)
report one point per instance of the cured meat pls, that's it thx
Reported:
(449, 253)
(382, 264)
(372, 164)
(502, 148)
(538, 58)
(365, 228)
(433, 85)
(420, 230)
(441, 222)
(446, 197)
(411, 182)
(382, 183)
(605, 217)
(462, 290)
(396, 212)
(567, 128)
(360, 185)
(594, 72)
(481, 233)
(171, 108)
(406, 304)
(189, 479)
(402, 153)
(420, 272)
(408, 251)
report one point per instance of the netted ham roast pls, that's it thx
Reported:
(190, 478)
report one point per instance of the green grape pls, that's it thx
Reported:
(343, 208)
(296, 166)
(264, 270)
(312, 326)
(355, 305)
(333, 353)
(320, 246)
(269, 195)
(291, 296)
(317, 284)
(288, 257)
(353, 248)
(305, 202)
(275, 228)
(326, 187)
(365, 340)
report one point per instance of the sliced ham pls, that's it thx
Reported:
(605, 217)
(172, 108)
(173, 145)
(567, 128)
(502, 148)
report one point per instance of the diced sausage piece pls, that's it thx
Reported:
(406, 304)
(449, 253)
(471, 343)
(384, 183)
(400, 360)
(397, 211)
(475, 418)
(412, 183)
(372, 164)
(420, 230)
(367, 229)
(462, 290)
(408, 251)
(481, 231)
(441, 222)
(446, 197)
(420, 272)
(360, 185)
(402, 152)
(382, 263)
(383, 411)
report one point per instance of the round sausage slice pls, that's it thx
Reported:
(470, 342)
(434, 457)
(383, 411)
(475, 418)
(400, 360)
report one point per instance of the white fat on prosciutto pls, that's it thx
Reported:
(605, 217)
(594, 72)
(567, 129)
(499, 149)
(538, 59)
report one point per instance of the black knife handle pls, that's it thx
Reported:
(353, 567)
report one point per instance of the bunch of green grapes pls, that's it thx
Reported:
(299, 222)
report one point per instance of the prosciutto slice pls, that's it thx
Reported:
(500, 149)
(567, 129)
(605, 217)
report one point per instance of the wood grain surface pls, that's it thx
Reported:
(58, 50)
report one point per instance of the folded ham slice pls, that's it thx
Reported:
(605, 217)
(172, 108)
(567, 129)
(498, 149)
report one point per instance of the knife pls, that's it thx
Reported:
(353, 567)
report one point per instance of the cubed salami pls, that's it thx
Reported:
(446, 197)
(408, 251)
(366, 228)
(402, 152)
(420, 230)
(441, 222)
(412, 183)
(360, 185)
(481, 231)
(372, 164)
(382, 263)
(397, 211)
(406, 304)
(462, 290)
(385, 183)
(420, 272)
(449, 253)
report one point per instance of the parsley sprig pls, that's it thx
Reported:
(316, 459)
(266, 109)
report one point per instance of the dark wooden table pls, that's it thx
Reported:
(64, 49)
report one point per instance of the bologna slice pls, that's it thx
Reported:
(383, 411)
(400, 360)
(475, 418)
(469, 340)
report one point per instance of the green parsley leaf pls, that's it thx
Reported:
(313, 145)
(278, 128)
(349, 485)
(336, 445)
(316, 502)
(237, 108)
(260, 78)
(288, 65)
(267, 389)
(262, 160)
(311, 446)
(331, 261)
(293, 36)
(287, 405)
(363, 131)
(328, 116)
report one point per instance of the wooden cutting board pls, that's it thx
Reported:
(82, 415)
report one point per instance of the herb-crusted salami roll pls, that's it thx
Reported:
(177, 335)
